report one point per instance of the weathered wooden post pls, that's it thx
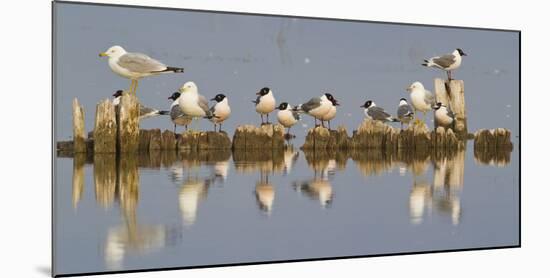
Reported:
(79, 131)
(451, 94)
(105, 179)
(105, 129)
(128, 123)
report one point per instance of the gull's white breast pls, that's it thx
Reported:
(266, 105)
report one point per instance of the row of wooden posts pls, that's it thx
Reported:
(117, 129)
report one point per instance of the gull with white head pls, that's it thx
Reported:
(135, 66)
(446, 62)
(422, 100)
(191, 103)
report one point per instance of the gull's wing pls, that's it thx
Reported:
(444, 61)
(141, 63)
(203, 103)
(176, 112)
(311, 104)
(378, 113)
(450, 113)
(404, 111)
(296, 115)
(429, 98)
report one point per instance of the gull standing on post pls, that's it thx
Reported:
(317, 107)
(221, 109)
(405, 112)
(376, 113)
(287, 117)
(331, 113)
(193, 104)
(265, 103)
(135, 66)
(443, 116)
(144, 111)
(176, 114)
(421, 99)
(446, 62)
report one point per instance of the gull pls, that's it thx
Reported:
(193, 104)
(421, 99)
(376, 113)
(176, 114)
(135, 66)
(447, 62)
(287, 116)
(443, 116)
(331, 113)
(221, 109)
(317, 107)
(265, 103)
(144, 111)
(405, 112)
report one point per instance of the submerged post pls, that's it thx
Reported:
(451, 94)
(128, 123)
(105, 128)
(79, 131)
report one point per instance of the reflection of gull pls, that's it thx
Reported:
(319, 189)
(290, 157)
(191, 193)
(265, 194)
(220, 169)
(132, 239)
(419, 198)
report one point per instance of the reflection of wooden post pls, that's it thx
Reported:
(451, 94)
(105, 179)
(128, 123)
(105, 128)
(79, 131)
(78, 177)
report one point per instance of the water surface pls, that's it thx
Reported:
(168, 209)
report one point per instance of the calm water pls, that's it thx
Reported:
(169, 210)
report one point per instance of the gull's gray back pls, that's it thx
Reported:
(404, 111)
(378, 113)
(444, 61)
(311, 104)
(137, 62)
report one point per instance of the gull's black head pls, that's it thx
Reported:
(403, 99)
(461, 52)
(437, 105)
(118, 93)
(332, 99)
(219, 97)
(367, 104)
(283, 106)
(264, 91)
(175, 96)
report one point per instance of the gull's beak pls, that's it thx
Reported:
(213, 99)
(362, 106)
(408, 89)
(464, 54)
(102, 54)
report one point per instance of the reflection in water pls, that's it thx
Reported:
(105, 179)
(324, 167)
(118, 178)
(192, 192)
(444, 193)
(265, 194)
(498, 158)
(117, 182)
(78, 178)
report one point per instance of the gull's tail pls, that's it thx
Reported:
(210, 115)
(173, 69)
(298, 109)
(428, 63)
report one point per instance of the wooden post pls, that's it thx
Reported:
(128, 123)
(451, 94)
(79, 131)
(105, 128)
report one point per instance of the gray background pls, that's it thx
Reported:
(297, 58)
